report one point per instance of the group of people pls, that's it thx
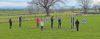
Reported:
(74, 22)
(20, 22)
(40, 22)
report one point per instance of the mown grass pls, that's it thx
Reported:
(90, 30)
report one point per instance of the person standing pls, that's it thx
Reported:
(72, 23)
(59, 23)
(42, 24)
(77, 25)
(10, 23)
(37, 21)
(20, 21)
(52, 20)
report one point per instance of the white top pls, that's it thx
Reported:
(41, 23)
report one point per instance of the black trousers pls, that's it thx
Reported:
(20, 24)
(51, 25)
(77, 27)
(10, 26)
(41, 28)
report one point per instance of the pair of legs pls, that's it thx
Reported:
(20, 24)
(59, 25)
(37, 24)
(72, 27)
(41, 28)
(51, 25)
(10, 26)
(77, 27)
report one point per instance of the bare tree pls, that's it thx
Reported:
(85, 4)
(46, 4)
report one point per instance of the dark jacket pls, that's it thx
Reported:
(10, 22)
(20, 19)
(59, 21)
(52, 19)
(77, 22)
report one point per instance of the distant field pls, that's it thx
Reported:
(91, 30)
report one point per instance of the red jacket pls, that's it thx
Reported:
(37, 20)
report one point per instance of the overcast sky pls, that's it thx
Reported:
(23, 3)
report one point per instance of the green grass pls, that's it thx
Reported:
(91, 30)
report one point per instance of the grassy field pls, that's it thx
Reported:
(91, 30)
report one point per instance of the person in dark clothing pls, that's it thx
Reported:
(59, 23)
(77, 25)
(52, 20)
(20, 21)
(10, 23)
